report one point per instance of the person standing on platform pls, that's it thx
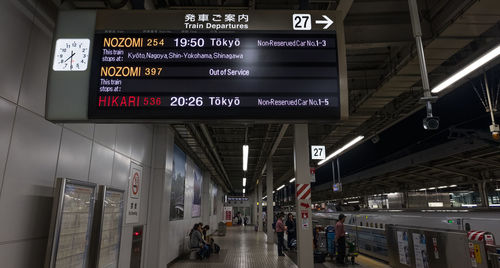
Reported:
(340, 239)
(291, 230)
(280, 230)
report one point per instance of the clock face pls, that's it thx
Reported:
(71, 54)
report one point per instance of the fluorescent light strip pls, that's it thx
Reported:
(264, 197)
(245, 157)
(343, 148)
(281, 187)
(468, 69)
(292, 180)
(244, 182)
(243, 190)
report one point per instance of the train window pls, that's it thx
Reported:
(467, 227)
(381, 226)
(360, 223)
(371, 224)
(376, 225)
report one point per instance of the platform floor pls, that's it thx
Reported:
(241, 247)
(245, 248)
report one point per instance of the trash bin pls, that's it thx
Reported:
(221, 229)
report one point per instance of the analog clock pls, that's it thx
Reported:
(71, 54)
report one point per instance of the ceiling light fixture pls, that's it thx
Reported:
(243, 190)
(343, 148)
(244, 182)
(468, 69)
(292, 180)
(264, 197)
(245, 157)
(281, 187)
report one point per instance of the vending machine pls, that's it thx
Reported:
(71, 226)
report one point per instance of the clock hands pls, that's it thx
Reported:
(70, 57)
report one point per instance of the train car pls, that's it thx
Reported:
(368, 228)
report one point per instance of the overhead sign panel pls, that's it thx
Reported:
(175, 65)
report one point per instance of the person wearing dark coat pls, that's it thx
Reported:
(291, 226)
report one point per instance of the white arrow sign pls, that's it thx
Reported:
(328, 22)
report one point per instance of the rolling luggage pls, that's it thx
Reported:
(319, 256)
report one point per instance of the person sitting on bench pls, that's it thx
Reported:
(196, 241)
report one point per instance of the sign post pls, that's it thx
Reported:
(305, 255)
(134, 194)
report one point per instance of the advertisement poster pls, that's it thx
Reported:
(197, 178)
(228, 212)
(404, 257)
(178, 184)
(134, 194)
(419, 245)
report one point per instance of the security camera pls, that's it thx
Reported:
(431, 123)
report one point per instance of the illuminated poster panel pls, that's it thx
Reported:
(73, 211)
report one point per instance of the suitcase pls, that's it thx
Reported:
(319, 256)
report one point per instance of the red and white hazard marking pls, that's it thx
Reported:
(303, 191)
(135, 184)
(476, 235)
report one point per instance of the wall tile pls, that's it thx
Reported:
(87, 130)
(15, 35)
(29, 178)
(125, 138)
(146, 180)
(121, 170)
(74, 156)
(105, 134)
(101, 165)
(141, 148)
(7, 112)
(34, 81)
(22, 254)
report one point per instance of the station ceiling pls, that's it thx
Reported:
(383, 77)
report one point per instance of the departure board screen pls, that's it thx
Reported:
(214, 74)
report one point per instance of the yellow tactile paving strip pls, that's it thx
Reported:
(245, 248)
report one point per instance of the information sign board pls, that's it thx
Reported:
(70, 231)
(134, 194)
(259, 65)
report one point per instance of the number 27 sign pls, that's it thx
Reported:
(318, 152)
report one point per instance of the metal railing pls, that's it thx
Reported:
(493, 255)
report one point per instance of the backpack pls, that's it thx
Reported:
(216, 248)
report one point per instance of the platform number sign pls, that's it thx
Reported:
(302, 22)
(318, 152)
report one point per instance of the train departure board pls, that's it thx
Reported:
(209, 65)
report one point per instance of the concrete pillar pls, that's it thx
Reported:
(205, 199)
(270, 210)
(259, 212)
(157, 241)
(253, 203)
(483, 194)
(305, 257)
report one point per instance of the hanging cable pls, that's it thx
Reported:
(479, 96)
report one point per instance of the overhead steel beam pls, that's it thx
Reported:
(215, 154)
(452, 171)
